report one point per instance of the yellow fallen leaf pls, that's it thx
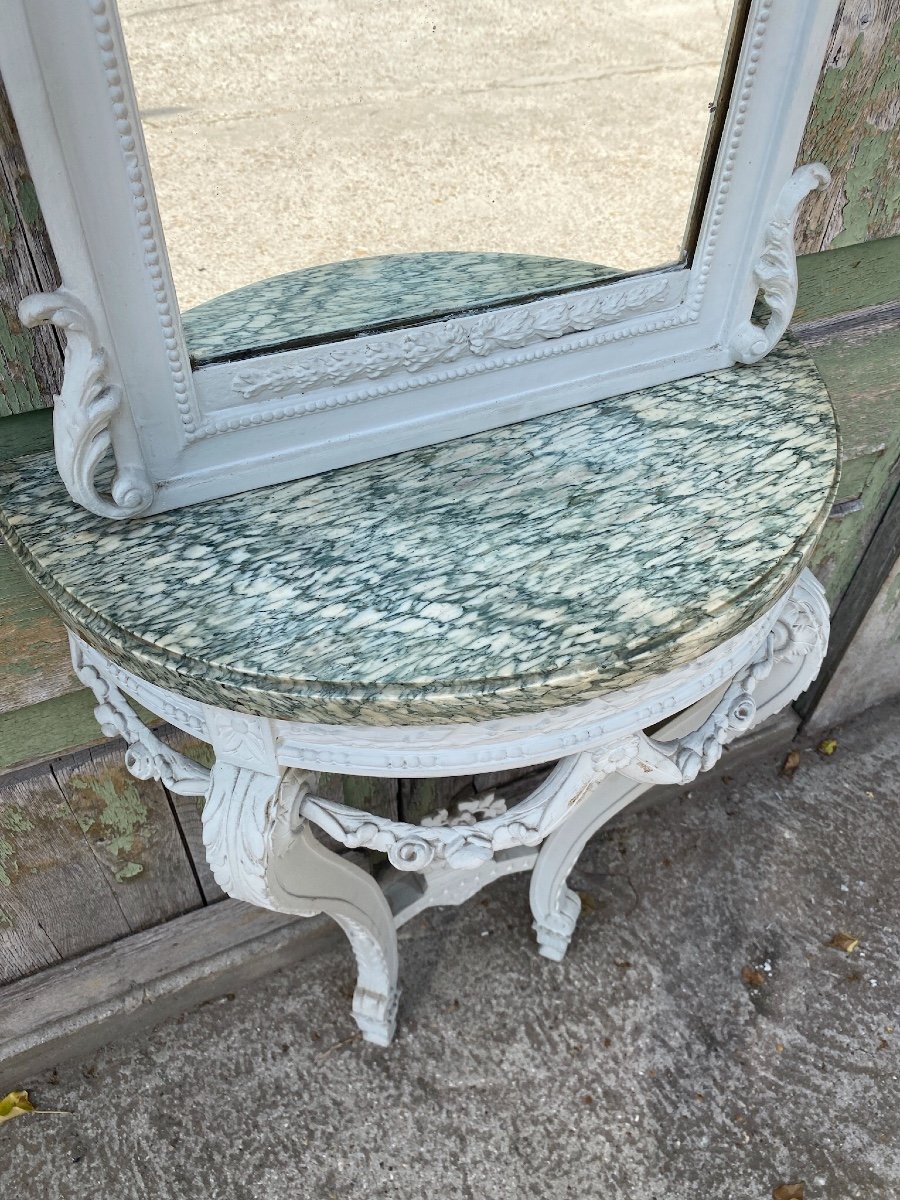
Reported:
(828, 746)
(843, 941)
(17, 1104)
(14, 1104)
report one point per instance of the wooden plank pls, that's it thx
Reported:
(55, 900)
(869, 580)
(30, 360)
(131, 830)
(42, 731)
(852, 128)
(861, 369)
(29, 736)
(34, 650)
(188, 810)
(26, 433)
(864, 665)
(847, 279)
(120, 990)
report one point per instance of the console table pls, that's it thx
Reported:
(620, 587)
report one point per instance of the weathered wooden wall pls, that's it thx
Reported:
(853, 128)
(30, 360)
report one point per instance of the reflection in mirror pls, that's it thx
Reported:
(512, 145)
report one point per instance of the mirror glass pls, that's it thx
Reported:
(443, 155)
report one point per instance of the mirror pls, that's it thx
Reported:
(523, 149)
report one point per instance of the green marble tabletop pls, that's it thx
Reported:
(542, 564)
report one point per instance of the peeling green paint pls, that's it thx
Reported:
(870, 191)
(852, 128)
(8, 864)
(12, 821)
(28, 202)
(122, 822)
(129, 871)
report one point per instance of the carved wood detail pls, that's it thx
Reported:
(84, 410)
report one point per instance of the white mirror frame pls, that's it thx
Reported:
(181, 435)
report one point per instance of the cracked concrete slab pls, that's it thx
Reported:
(703, 1038)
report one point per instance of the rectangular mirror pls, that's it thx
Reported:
(444, 156)
(383, 226)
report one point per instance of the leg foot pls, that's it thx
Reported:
(263, 851)
(554, 931)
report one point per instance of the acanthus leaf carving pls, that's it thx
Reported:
(84, 411)
(239, 821)
(425, 346)
(775, 271)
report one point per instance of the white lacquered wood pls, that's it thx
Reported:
(260, 806)
(181, 435)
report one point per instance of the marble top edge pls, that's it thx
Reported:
(530, 567)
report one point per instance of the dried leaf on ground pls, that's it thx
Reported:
(752, 977)
(14, 1104)
(828, 746)
(790, 764)
(789, 1191)
(843, 941)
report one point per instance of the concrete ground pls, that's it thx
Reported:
(703, 1038)
(288, 133)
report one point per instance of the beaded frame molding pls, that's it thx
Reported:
(180, 434)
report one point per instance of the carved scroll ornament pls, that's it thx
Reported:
(775, 271)
(85, 409)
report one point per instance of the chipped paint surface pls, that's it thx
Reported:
(114, 815)
(12, 821)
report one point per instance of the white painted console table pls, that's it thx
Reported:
(548, 591)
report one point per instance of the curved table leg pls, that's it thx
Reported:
(307, 878)
(692, 741)
(262, 851)
(554, 906)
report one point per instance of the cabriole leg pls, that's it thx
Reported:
(262, 851)
(554, 906)
(688, 744)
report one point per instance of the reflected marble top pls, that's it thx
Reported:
(370, 294)
(538, 565)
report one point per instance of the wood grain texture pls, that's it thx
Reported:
(34, 650)
(131, 831)
(30, 360)
(853, 128)
(42, 731)
(188, 811)
(122, 989)
(55, 900)
(847, 279)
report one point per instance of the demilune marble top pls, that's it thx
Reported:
(368, 294)
(537, 565)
